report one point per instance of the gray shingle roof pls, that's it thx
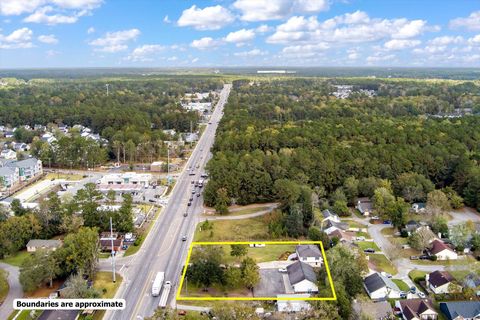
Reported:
(30, 162)
(308, 250)
(465, 309)
(300, 271)
(376, 281)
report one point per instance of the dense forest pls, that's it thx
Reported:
(131, 117)
(285, 140)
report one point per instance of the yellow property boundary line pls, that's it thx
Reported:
(327, 269)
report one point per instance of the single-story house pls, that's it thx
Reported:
(37, 244)
(106, 245)
(472, 280)
(329, 226)
(329, 215)
(8, 154)
(416, 309)
(380, 287)
(419, 207)
(442, 251)
(461, 310)
(302, 277)
(293, 305)
(439, 281)
(309, 253)
(365, 206)
(412, 226)
(341, 235)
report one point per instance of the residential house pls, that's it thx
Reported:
(342, 236)
(440, 282)
(329, 215)
(303, 278)
(28, 168)
(472, 281)
(9, 177)
(8, 154)
(8, 134)
(48, 138)
(419, 207)
(309, 253)
(39, 244)
(170, 132)
(330, 226)
(365, 206)
(106, 245)
(20, 146)
(461, 310)
(380, 287)
(442, 251)
(416, 309)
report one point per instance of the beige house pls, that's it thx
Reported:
(39, 244)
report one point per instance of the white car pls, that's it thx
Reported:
(421, 294)
(282, 270)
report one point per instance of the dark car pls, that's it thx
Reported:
(184, 238)
(189, 204)
(198, 194)
(191, 199)
(185, 214)
(387, 222)
(369, 250)
(413, 289)
(424, 257)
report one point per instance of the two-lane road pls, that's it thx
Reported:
(164, 250)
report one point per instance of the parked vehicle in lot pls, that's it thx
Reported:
(369, 250)
(157, 283)
(403, 295)
(421, 294)
(413, 289)
(424, 257)
(282, 270)
(191, 199)
(387, 222)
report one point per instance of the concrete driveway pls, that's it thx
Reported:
(271, 283)
(463, 215)
(15, 291)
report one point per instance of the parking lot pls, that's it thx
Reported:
(271, 283)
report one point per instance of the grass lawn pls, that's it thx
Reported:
(132, 249)
(16, 259)
(367, 245)
(401, 285)
(388, 231)
(416, 274)
(470, 261)
(234, 230)
(3, 285)
(68, 177)
(382, 263)
(103, 283)
(354, 224)
(362, 234)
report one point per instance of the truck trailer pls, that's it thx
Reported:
(157, 284)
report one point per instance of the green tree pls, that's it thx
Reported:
(437, 202)
(238, 250)
(17, 208)
(350, 188)
(87, 200)
(315, 234)
(340, 207)
(37, 269)
(287, 192)
(76, 287)
(250, 273)
(413, 187)
(222, 201)
(233, 278)
(383, 199)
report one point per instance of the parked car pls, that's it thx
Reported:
(413, 290)
(414, 257)
(421, 294)
(403, 295)
(369, 250)
(124, 247)
(424, 257)
(387, 221)
(282, 270)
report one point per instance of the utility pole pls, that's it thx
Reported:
(107, 85)
(113, 251)
(168, 164)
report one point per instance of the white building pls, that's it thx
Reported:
(8, 154)
(309, 253)
(441, 282)
(293, 305)
(127, 178)
(380, 287)
(442, 251)
(303, 278)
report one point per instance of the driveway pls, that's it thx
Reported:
(463, 215)
(15, 291)
(271, 283)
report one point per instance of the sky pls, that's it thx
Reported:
(200, 33)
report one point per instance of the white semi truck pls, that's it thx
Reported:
(166, 291)
(157, 284)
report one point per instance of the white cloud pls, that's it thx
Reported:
(209, 18)
(48, 38)
(204, 43)
(475, 39)
(380, 57)
(400, 44)
(41, 16)
(305, 51)
(91, 30)
(356, 27)
(446, 40)
(263, 28)
(240, 36)
(115, 41)
(166, 19)
(52, 53)
(472, 22)
(78, 4)
(194, 60)
(16, 7)
(251, 53)
(18, 39)
(145, 52)
(173, 58)
(262, 10)
(353, 56)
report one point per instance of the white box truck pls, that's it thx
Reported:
(166, 291)
(157, 284)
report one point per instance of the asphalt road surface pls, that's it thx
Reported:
(163, 249)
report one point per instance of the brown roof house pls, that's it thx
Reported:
(441, 282)
(416, 309)
(442, 251)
